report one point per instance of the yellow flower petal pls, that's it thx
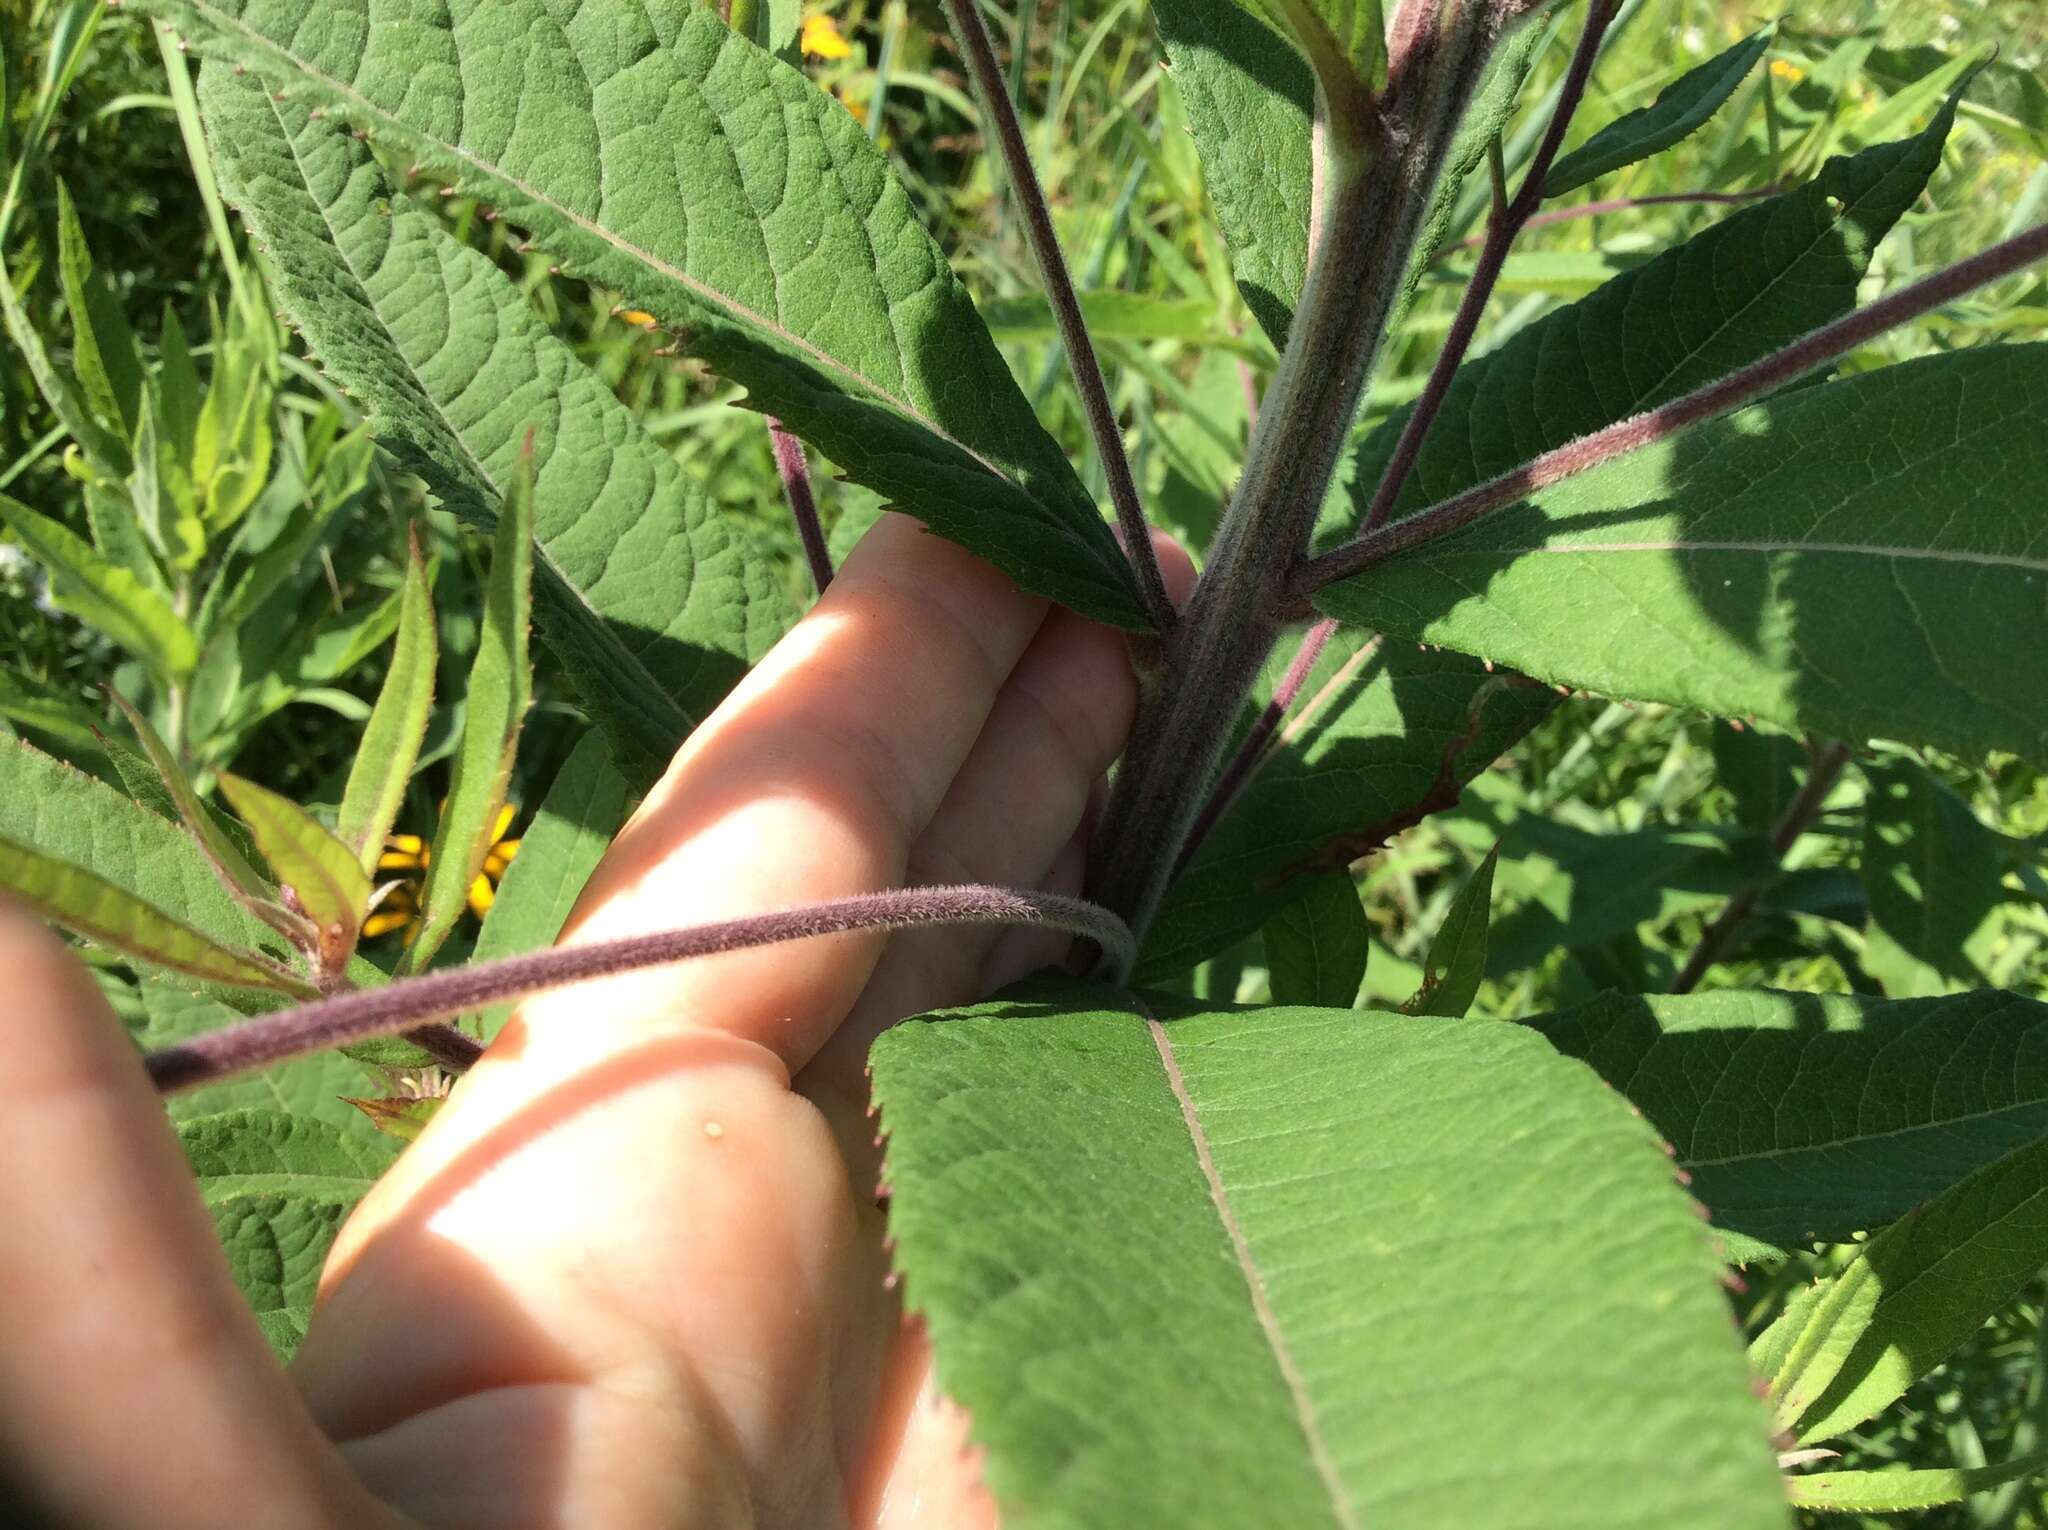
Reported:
(1787, 71)
(402, 860)
(638, 316)
(506, 814)
(505, 849)
(821, 38)
(384, 921)
(481, 895)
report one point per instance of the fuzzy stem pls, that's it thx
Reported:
(410, 1004)
(1000, 114)
(1370, 204)
(453, 1049)
(1502, 228)
(1821, 776)
(1251, 754)
(795, 473)
(1774, 371)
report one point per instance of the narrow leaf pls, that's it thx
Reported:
(1916, 1293)
(1681, 109)
(102, 345)
(500, 690)
(330, 885)
(1810, 1117)
(584, 808)
(834, 308)
(1930, 866)
(59, 717)
(1318, 945)
(1327, 1276)
(653, 602)
(390, 744)
(208, 833)
(1741, 566)
(279, 1187)
(1904, 1492)
(403, 1116)
(1456, 964)
(105, 596)
(97, 909)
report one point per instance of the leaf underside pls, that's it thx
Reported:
(1334, 1260)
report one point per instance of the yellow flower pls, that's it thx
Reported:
(409, 856)
(1786, 70)
(821, 38)
(639, 317)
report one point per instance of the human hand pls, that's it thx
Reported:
(633, 1272)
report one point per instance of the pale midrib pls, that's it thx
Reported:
(561, 580)
(1255, 1282)
(1846, 549)
(710, 296)
(1860, 1139)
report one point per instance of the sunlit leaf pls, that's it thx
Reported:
(108, 597)
(390, 744)
(325, 878)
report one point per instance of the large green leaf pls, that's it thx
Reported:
(655, 604)
(656, 153)
(106, 596)
(1751, 283)
(1930, 866)
(1390, 734)
(1742, 565)
(1681, 109)
(1307, 1267)
(279, 1187)
(1806, 1117)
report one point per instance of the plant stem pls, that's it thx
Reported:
(1501, 230)
(1371, 202)
(1251, 753)
(1001, 117)
(795, 473)
(410, 1004)
(1821, 775)
(1774, 371)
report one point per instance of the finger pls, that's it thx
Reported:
(134, 1383)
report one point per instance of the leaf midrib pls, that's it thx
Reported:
(560, 580)
(710, 296)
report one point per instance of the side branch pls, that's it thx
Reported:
(409, 1005)
(1823, 345)
(795, 473)
(1000, 113)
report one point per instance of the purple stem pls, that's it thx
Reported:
(1821, 775)
(803, 506)
(1501, 229)
(993, 93)
(1774, 371)
(410, 1004)
(1625, 204)
(1251, 754)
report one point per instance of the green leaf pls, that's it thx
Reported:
(494, 709)
(1389, 735)
(1913, 1295)
(1931, 868)
(1741, 566)
(1902, 1492)
(1761, 769)
(314, 1085)
(390, 744)
(279, 1187)
(1342, 1258)
(1680, 110)
(1456, 964)
(59, 717)
(1345, 41)
(107, 597)
(103, 349)
(1745, 287)
(97, 909)
(160, 490)
(1317, 946)
(584, 808)
(1810, 1117)
(654, 603)
(2009, 99)
(209, 835)
(323, 874)
(232, 440)
(102, 448)
(780, 249)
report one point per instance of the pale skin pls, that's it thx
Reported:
(633, 1274)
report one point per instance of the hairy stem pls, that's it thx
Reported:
(1506, 223)
(1821, 775)
(1000, 114)
(1371, 202)
(1251, 753)
(1823, 345)
(795, 473)
(412, 1003)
